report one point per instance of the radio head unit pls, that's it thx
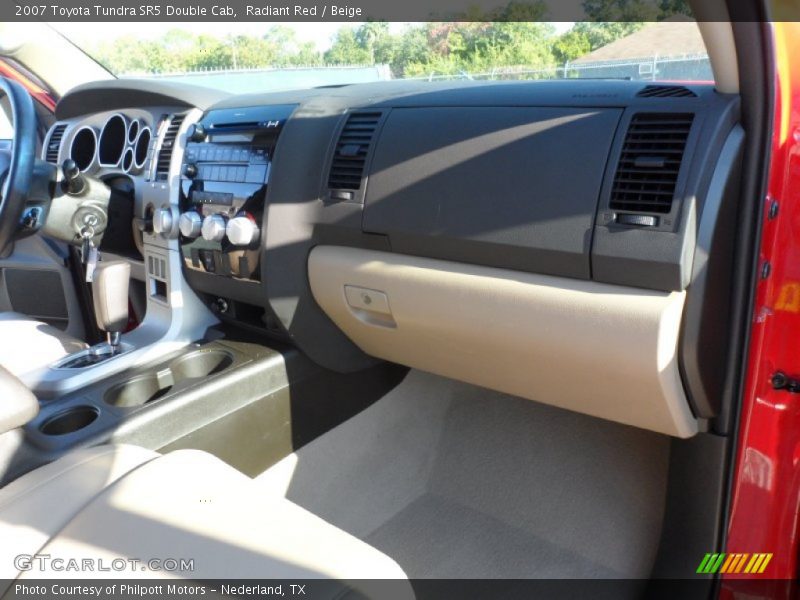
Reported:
(224, 178)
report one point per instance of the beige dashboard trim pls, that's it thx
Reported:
(603, 350)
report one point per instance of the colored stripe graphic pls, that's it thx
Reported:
(734, 563)
(710, 563)
(767, 558)
(731, 560)
(740, 564)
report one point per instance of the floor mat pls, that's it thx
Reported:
(452, 480)
(435, 537)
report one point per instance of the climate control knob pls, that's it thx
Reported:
(213, 229)
(163, 222)
(242, 230)
(190, 224)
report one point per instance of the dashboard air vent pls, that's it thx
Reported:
(650, 161)
(349, 158)
(54, 143)
(666, 91)
(167, 145)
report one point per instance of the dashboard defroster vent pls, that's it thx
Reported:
(350, 155)
(650, 162)
(666, 91)
(167, 145)
(54, 143)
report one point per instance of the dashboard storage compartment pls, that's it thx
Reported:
(603, 350)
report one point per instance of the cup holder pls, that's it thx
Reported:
(138, 391)
(200, 363)
(70, 420)
(143, 389)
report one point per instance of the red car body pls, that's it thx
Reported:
(766, 483)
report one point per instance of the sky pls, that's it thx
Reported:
(319, 33)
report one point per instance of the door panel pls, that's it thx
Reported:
(35, 280)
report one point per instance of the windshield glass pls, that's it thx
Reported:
(251, 57)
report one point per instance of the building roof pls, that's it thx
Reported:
(665, 38)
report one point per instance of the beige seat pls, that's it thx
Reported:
(38, 505)
(27, 344)
(130, 503)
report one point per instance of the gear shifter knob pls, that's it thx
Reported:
(110, 295)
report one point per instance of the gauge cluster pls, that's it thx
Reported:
(106, 144)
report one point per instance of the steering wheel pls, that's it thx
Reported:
(16, 164)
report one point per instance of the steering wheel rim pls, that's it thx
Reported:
(19, 174)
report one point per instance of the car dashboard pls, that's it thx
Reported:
(367, 222)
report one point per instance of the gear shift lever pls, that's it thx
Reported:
(110, 294)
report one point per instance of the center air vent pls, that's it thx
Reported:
(349, 158)
(167, 145)
(666, 91)
(54, 143)
(650, 162)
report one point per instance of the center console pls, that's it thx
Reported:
(216, 223)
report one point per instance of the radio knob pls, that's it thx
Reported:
(213, 229)
(190, 170)
(190, 224)
(242, 230)
(197, 133)
(163, 222)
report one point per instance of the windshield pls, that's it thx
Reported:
(251, 57)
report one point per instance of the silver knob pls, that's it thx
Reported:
(163, 221)
(242, 231)
(213, 229)
(190, 224)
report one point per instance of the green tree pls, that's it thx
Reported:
(635, 10)
(621, 10)
(410, 49)
(248, 52)
(571, 45)
(284, 49)
(306, 55)
(369, 36)
(670, 8)
(511, 39)
(346, 50)
(132, 55)
(585, 37)
(209, 53)
(528, 12)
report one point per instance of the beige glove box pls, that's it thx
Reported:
(603, 350)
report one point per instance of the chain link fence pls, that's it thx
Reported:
(680, 68)
(246, 81)
(651, 68)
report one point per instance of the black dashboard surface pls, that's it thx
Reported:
(516, 186)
